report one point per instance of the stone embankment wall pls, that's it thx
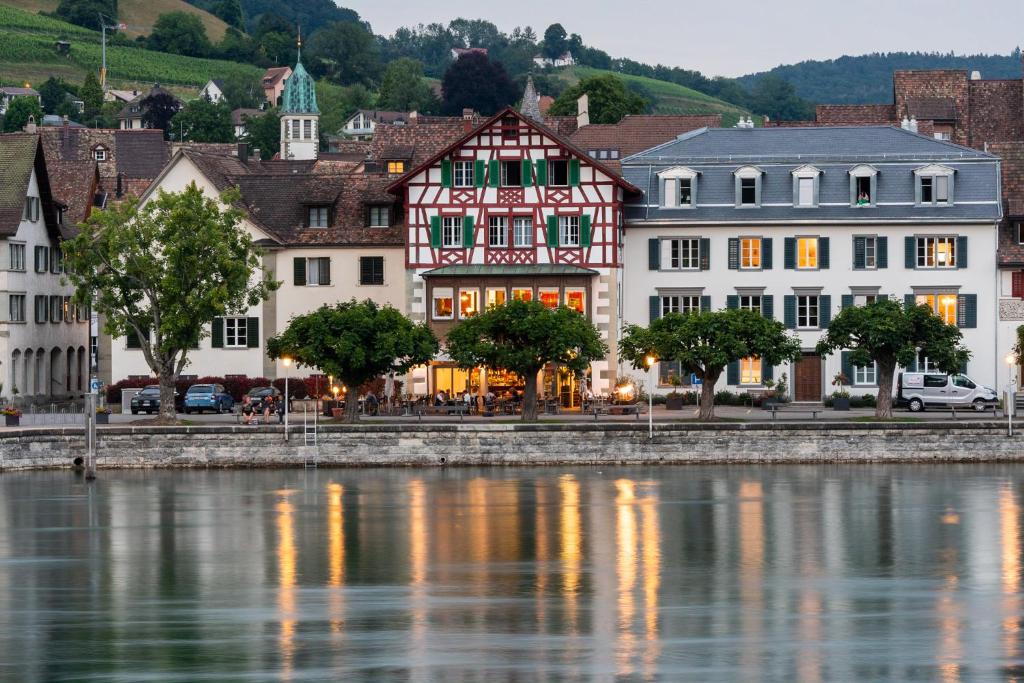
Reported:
(514, 444)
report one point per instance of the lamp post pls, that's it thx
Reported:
(650, 360)
(287, 363)
(1011, 363)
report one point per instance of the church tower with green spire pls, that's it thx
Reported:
(300, 117)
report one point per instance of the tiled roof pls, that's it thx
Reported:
(74, 184)
(17, 157)
(419, 140)
(141, 154)
(18, 92)
(275, 74)
(855, 114)
(932, 108)
(238, 115)
(382, 116)
(155, 90)
(636, 133)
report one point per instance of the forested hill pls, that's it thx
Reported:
(307, 14)
(868, 78)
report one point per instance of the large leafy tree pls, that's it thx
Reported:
(159, 110)
(555, 41)
(87, 12)
(476, 82)
(230, 11)
(346, 53)
(18, 112)
(890, 334)
(180, 33)
(164, 269)
(403, 88)
(355, 342)
(523, 337)
(705, 343)
(203, 121)
(264, 133)
(608, 96)
(52, 92)
(777, 98)
(92, 96)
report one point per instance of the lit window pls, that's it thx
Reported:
(463, 173)
(750, 371)
(680, 304)
(867, 376)
(395, 167)
(807, 253)
(318, 216)
(235, 335)
(558, 172)
(380, 216)
(681, 254)
(444, 307)
(942, 305)
(469, 302)
(548, 296)
(497, 231)
(750, 302)
(495, 296)
(523, 232)
(576, 299)
(451, 231)
(511, 173)
(569, 231)
(807, 312)
(522, 294)
(750, 253)
(936, 252)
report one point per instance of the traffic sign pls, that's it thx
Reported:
(695, 380)
(94, 385)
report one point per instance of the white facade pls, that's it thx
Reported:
(212, 92)
(565, 59)
(300, 137)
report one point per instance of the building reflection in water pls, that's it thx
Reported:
(570, 545)
(750, 513)
(419, 538)
(1009, 537)
(286, 561)
(335, 558)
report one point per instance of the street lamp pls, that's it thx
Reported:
(650, 360)
(1011, 363)
(287, 363)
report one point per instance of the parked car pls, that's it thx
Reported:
(148, 400)
(200, 397)
(257, 395)
(920, 390)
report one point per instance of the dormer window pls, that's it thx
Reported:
(748, 186)
(934, 186)
(678, 188)
(379, 217)
(396, 167)
(99, 153)
(805, 187)
(863, 186)
(319, 216)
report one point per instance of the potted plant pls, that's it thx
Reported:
(12, 415)
(102, 415)
(768, 398)
(782, 389)
(840, 397)
(674, 399)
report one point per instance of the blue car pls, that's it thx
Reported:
(212, 397)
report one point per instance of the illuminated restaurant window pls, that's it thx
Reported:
(576, 299)
(495, 297)
(548, 296)
(444, 305)
(469, 302)
(522, 293)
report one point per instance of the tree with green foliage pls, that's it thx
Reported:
(403, 88)
(92, 96)
(355, 342)
(777, 99)
(705, 343)
(523, 337)
(159, 110)
(179, 33)
(344, 52)
(263, 133)
(18, 112)
(230, 12)
(555, 42)
(242, 90)
(609, 99)
(52, 92)
(891, 334)
(163, 270)
(238, 47)
(203, 121)
(476, 82)
(86, 12)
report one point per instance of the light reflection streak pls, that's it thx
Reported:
(418, 544)
(651, 533)
(571, 549)
(1009, 536)
(625, 562)
(751, 570)
(336, 555)
(286, 561)
(950, 650)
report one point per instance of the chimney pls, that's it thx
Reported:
(30, 127)
(913, 124)
(467, 119)
(414, 117)
(243, 152)
(583, 111)
(120, 186)
(975, 75)
(256, 154)
(905, 124)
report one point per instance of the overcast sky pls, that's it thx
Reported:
(735, 37)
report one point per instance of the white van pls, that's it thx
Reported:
(919, 390)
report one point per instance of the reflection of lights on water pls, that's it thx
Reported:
(335, 554)
(570, 542)
(950, 517)
(286, 561)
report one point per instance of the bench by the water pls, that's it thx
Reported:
(459, 409)
(617, 409)
(812, 408)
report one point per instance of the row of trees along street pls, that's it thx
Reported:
(164, 269)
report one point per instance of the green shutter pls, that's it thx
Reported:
(734, 253)
(909, 300)
(766, 253)
(846, 367)
(859, 248)
(767, 371)
(654, 303)
(961, 251)
(479, 170)
(467, 232)
(732, 373)
(789, 311)
(882, 251)
(435, 232)
(325, 270)
(252, 333)
(653, 254)
(217, 333)
(705, 304)
(789, 253)
(527, 173)
(552, 231)
(732, 302)
(967, 311)
(300, 271)
(909, 252)
(768, 306)
(493, 175)
(585, 230)
(823, 253)
(446, 173)
(574, 172)
(542, 172)
(824, 311)
(131, 340)
(705, 253)
(846, 301)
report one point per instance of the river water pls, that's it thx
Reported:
(785, 573)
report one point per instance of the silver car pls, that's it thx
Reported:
(920, 390)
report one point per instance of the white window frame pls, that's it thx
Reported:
(497, 232)
(941, 181)
(808, 311)
(870, 252)
(377, 213)
(463, 173)
(472, 295)
(857, 173)
(746, 264)
(439, 294)
(31, 212)
(671, 187)
(451, 232)
(927, 245)
(99, 153)
(522, 226)
(806, 178)
(866, 376)
(318, 216)
(937, 303)
(817, 252)
(750, 371)
(17, 256)
(551, 173)
(491, 300)
(680, 256)
(746, 302)
(318, 271)
(504, 165)
(236, 333)
(744, 174)
(569, 231)
(16, 308)
(680, 303)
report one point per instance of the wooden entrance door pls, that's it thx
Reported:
(807, 378)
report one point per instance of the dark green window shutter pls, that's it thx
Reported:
(325, 271)
(846, 366)
(909, 300)
(479, 171)
(789, 311)
(574, 172)
(846, 302)
(909, 252)
(823, 255)
(252, 333)
(654, 303)
(300, 271)
(585, 230)
(527, 173)
(767, 371)
(766, 253)
(217, 333)
(552, 231)
(768, 306)
(446, 173)
(705, 304)
(734, 253)
(654, 254)
(961, 251)
(131, 340)
(542, 172)
(789, 253)
(435, 232)
(705, 253)
(824, 310)
(859, 246)
(882, 251)
(732, 302)
(967, 311)
(913, 365)
(467, 232)
(732, 373)
(493, 174)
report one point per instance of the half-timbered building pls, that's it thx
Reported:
(511, 209)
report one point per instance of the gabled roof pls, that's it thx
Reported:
(381, 115)
(239, 115)
(636, 133)
(20, 154)
(275, 74)
(510, 111)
